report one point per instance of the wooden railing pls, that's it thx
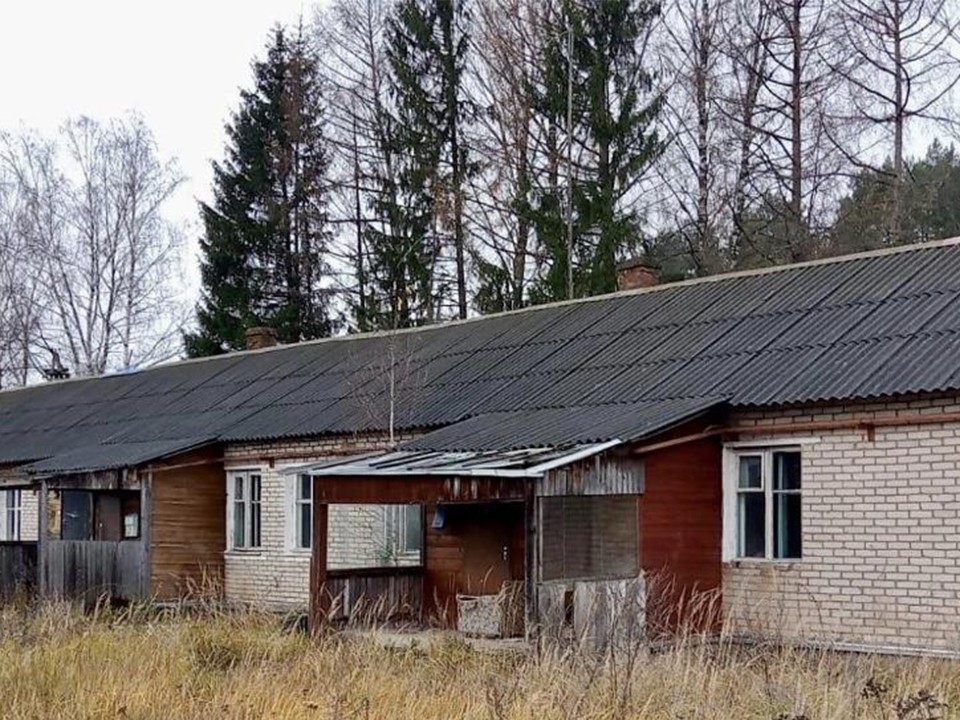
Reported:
(88, 569)
(18, 569)
(363, 595)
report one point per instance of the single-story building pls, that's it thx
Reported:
(782, 441)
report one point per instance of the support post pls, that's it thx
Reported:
(531, 565)
(146, 534)
(42, 533)
(319, 597)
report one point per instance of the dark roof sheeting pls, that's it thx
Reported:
(561, 427)
(108, 457)
(858, 327)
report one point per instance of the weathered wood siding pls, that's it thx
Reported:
(467, 555)
(680, 531)
(605, 474)
(18, 568)
(187, 524)
(373, 594)
(87, 569)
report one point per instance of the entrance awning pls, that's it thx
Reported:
(522, 463)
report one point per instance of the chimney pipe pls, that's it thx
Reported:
(260, 337)
(633, 274)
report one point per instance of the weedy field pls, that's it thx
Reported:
(56, 662)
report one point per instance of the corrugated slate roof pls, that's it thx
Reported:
(108, 456)
(857, 327)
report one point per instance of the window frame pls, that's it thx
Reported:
(396, 522)
(766, 449)
(301, 503)
(12, 530)
(251, 504)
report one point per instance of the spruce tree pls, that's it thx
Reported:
(266, 232)
(420, 199)
(614, 109)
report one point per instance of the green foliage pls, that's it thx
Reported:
(266, 232)
(419, 193)
(614, 111)
(931, 204)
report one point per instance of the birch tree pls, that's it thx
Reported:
(103, 259)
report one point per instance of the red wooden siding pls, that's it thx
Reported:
(680, 530)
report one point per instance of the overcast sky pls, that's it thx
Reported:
(179, 63)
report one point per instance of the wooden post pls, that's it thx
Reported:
(319, 597)
(530, 565)
(146, 531)
(42, 532)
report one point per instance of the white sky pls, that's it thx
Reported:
(179, 63)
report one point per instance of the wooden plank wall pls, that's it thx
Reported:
(466, 555)
(604, 474)
(187, 530)
(88, 569)
(18, 569)
(680, 533)
(375, 594)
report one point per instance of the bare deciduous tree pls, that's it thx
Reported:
(897, 62)
(102, 258)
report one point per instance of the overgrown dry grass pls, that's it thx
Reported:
(59, 663)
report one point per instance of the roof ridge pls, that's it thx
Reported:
(720, 277)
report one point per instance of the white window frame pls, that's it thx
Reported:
(252, 508)
(298, 502)
(12, 519)
(395, 520)
(731, 490)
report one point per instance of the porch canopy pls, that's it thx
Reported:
(562, 478)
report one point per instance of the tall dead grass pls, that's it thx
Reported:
(56, 662)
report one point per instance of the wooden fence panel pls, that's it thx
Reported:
(88, 569)
(374, 594)
(18, 568)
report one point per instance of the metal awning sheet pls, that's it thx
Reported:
(523, 463)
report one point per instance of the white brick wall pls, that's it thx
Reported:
(881, 535)
(277, 575)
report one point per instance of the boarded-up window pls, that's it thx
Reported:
(589, 537)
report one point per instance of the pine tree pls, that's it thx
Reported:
(421, 202)
(266, 232)
(614, 140)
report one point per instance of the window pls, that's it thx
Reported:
(245, 501)
(404, 529)
(589, 537)
(303, 511)
(13, 515)
(109, 516)
(767, 512)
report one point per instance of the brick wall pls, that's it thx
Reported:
(881, 534)
(277, 575)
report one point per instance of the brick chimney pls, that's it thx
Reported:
(260, 337)
(633, 274)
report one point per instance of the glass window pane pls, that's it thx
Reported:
(751, 521)
(786, 525)
(305, 488)
(255, 522)
(238, 487)
(255, 488)
(306, 526)
(786, 470)
(413, 529)
(77, 515)
(239, 523)
(751, 475)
